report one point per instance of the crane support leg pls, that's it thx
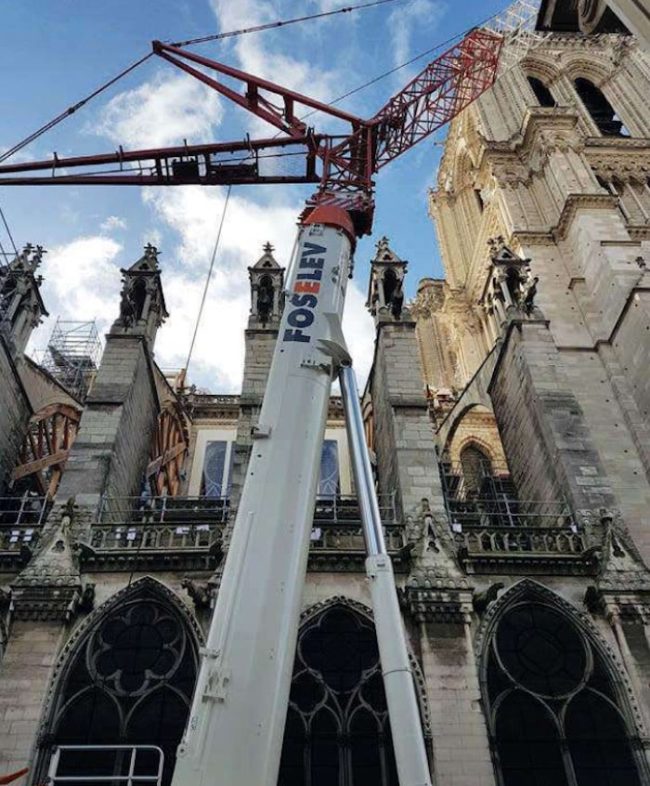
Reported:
(235, 730)
(401, 698)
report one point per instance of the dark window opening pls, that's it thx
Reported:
(265, 298)
(475, 466)
(555, 721)
(337, 731)
(139, 298)
(131, 682)
(602, 112)
(542, 93)
(479, 199)
(390, 285)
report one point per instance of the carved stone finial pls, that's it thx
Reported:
(151, 252)
(268, 248)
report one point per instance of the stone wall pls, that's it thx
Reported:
(404, 443)
(111, 449)
(14, 416)
(548, 444)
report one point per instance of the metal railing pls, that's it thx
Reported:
(334, 537)
(178, 511)
(196, 523)
(343, 509)
(21, 520)
(508, 512)
(28, 510)
(123, 768)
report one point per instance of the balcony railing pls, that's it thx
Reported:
(506, 512)
(179, 511)
(143, 529)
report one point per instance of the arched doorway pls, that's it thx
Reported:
(337, 731)
(129, 680)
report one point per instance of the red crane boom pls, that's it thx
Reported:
(343, 165)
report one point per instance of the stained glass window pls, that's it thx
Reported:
(215, 481)
(337, 731)
(555, 718)
(328, 483)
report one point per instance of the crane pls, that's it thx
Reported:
(235, 729)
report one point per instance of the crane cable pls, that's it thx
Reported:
(208, 278)
(6, 225)
(72, 109)
(284, 23)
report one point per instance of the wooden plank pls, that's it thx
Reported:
(31, 467)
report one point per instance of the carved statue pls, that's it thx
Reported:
(397, 299)
(481, 600)
(528, 295)
(200, 593)
(86, 602)
(5, 601)
(127, 309)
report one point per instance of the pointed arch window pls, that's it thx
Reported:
(337, 731)
(542, 93)
(129, 682)
(555, 715)
(602, 112)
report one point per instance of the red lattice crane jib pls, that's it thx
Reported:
(343, 165)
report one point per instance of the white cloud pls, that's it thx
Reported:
(81, 282)
(113, 222)
(194, 214)
(163, 111)
(276, 63)
(405, 20)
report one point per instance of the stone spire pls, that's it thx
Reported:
(21, 305)
(267, 283)
(386, 286)
(142, 302)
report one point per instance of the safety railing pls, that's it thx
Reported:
(504, 511)
(180, 524)
(342, 509)
(177, 511)
(27, 510)
(349, 538)
(21, 520)
(111, 765)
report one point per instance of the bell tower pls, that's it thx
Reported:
(21, 306)
(386, 287)
(142, 302)
(267, 297)
(267, 300)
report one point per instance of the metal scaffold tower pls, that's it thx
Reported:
(72, 355)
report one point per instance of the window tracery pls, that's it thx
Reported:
(337, 731)
(129, 682)
(554, 712)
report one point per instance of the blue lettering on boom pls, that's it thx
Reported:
(300, 317)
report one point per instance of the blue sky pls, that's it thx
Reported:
(55, 52)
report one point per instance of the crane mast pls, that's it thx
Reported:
(235, 729)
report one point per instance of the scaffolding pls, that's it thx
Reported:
(72, 355)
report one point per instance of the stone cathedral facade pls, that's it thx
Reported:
(508, 418)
